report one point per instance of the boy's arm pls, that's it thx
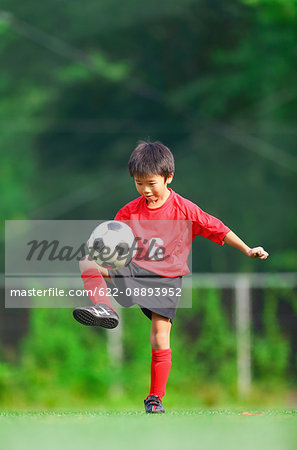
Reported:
(235, 241)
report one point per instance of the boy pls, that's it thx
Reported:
(151, 165)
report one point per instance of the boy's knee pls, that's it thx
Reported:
(85, 264)
(160, 339)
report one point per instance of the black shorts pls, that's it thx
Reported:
(153, 293)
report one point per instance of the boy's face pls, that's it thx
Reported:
(153, 188)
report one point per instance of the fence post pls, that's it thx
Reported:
(243, 319)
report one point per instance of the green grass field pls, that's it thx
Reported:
(186, 429)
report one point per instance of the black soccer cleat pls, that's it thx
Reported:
(153, 404)
(96, 316)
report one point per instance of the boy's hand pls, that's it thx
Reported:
(258, 252)
(235, 241)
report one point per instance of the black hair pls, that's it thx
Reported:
(151, 158)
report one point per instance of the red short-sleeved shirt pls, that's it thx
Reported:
(165, 234)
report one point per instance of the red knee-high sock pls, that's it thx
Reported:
(93, 281)
(160, 368)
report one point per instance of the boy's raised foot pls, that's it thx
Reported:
(97, 315)
(153, 404)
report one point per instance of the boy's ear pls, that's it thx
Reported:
(169, 179)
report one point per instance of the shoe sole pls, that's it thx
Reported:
(86, 318)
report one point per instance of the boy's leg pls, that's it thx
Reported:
(161, 361)
(102, 314)
(94, 277)
(160, 332)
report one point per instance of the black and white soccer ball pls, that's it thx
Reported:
(111, 244)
